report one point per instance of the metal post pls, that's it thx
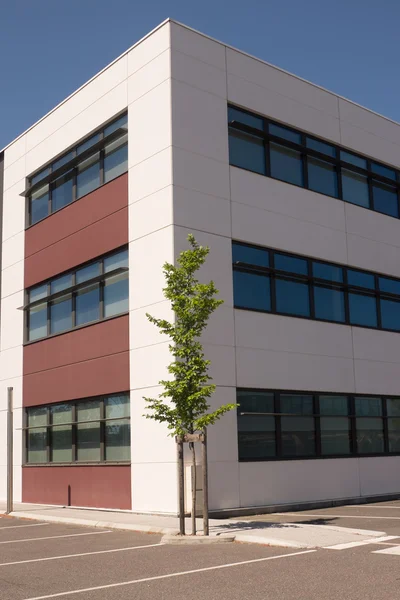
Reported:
(194, 487)
(206, 529)
(10, 429)
(181, 485)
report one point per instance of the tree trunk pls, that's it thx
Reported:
(181, 485)
(194, 485)
(206, 528)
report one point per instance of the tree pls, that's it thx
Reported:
(183, 404)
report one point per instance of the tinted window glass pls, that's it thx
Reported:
(369, 436)
(394, 435)
(321, 147)
(261, 402)
(121, 123)
(368, 407)
(286, 164)
(116, 261)
(298, 436)
(38, 322)
(88, 178)
(39, 204)
(87, 304)
(384, 171)
(37, 293)
(385, 199)
(329, 304)
(327, 271)
(355, 188)
(297, 404)
(390, 314)
(389, 285)
(284, 133)
(87, 273)
(353, 159)
(333, 405)
(251, 120)
(322, 177)
(61, 314)
(251, 291)
(88, 144)
(393, 407)
(61, 193)
(115, 159)
(40, 176)
(61, 283)
(247, 152)
(290, 264)
(362, 310)
(335, 435)
(63, 160)
(117, 435)
(116, 294)
(292, 298)
(361, 279)
(250, 255)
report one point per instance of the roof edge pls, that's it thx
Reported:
(170, 20)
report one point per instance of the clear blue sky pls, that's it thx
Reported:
(48, 48)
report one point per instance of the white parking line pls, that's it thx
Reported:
(323, 516)
(361, 543)
(395, 551)
(369, 506)
(53, 537)
(168, 576)
(34, 560)
(18, 526)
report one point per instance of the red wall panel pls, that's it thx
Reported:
(87, 362)
(94, 207)
(98, 486)
(86, 244)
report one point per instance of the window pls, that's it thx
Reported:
(86, 431)
(79, 171)
(286, 164)
(96, 291)
(286, 284)
(247, 151)
(292, 425)
(260, 145)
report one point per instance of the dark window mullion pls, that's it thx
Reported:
(353, 427)
(317, 422)
(73, 300)
(346, 297)
(267, 154)
(311, 290)
(378, 303)
(48, 435)
(369, 180)
(272, 282)
(48, 305)
(101, 162)
(74, 432)
(74, 184)
(102, 430)
(278, 427)
(385, 426)
(339, 181)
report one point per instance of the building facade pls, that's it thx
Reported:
(296, 192)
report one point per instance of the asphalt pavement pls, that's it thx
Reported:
(40, 561)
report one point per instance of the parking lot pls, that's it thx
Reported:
(41, 560)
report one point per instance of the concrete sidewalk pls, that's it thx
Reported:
(290, 535)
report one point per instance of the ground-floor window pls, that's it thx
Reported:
(283, 425)
(85, 431)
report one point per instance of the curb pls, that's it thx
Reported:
(188, 540)
(97, 524)
(257, 539)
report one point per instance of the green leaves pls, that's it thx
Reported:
(187, 409)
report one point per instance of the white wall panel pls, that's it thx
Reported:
(15, 151)
(223, 483)
(12, 279)
(149, 77)
(270, 194)
(373, 256)
(272, 78)
(202, 212)
(105, 108)
(374, 377)
(15, 173)
(13, 250)
(142, 179)
(198, 46)
(267, 228)
(371, 225)
(198, 73)
(378, 475)
(151, 213)
(297, 481)
(293, 371)
(273, 104)
(12, 323)
(369, 144)
(13, 210)
(288, 334)
(148, 49)
(369, 121)
(200, 173)
(81, 100)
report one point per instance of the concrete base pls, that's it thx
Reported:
(228, 513)
(194, 540)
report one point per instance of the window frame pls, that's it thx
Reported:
(102, 420)
(305, 151)
(72, 165)
(313, 282)
(72, 290)
(317, 415)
